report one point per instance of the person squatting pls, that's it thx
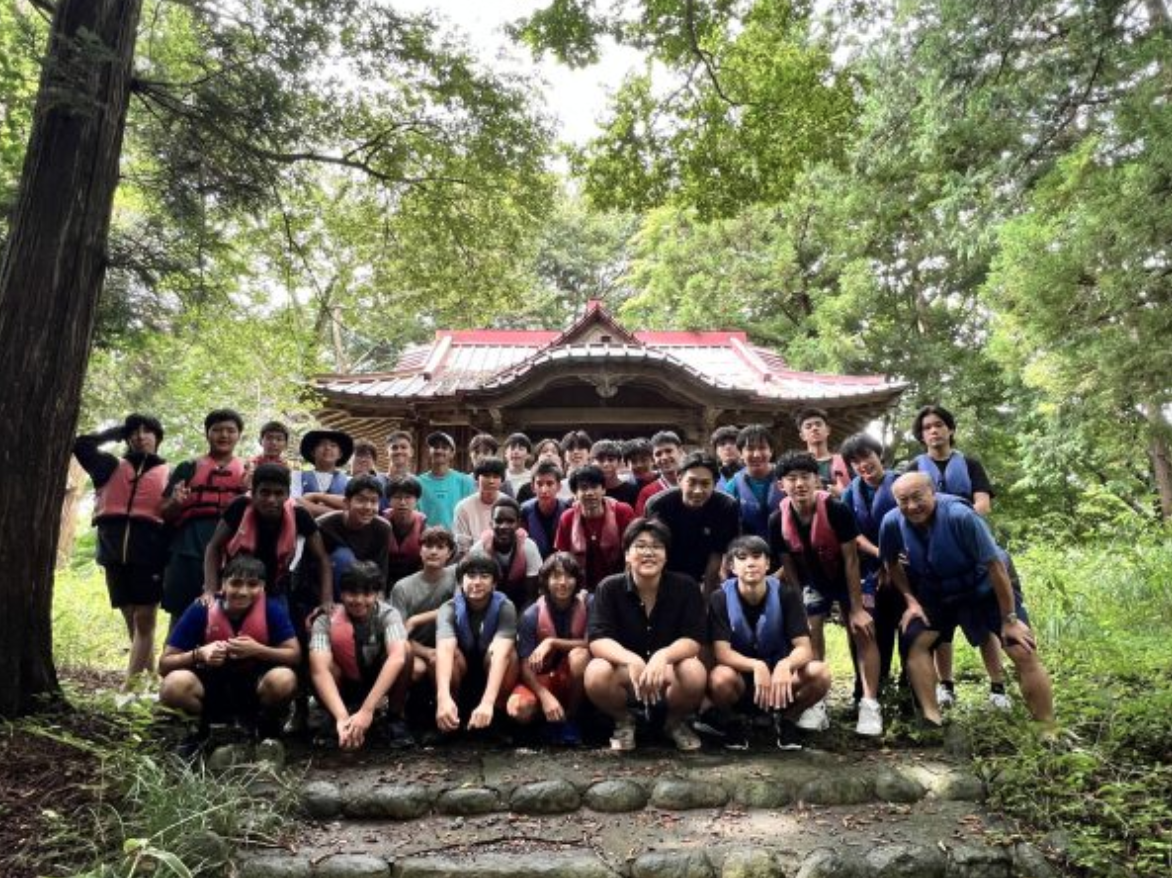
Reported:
(572, 589)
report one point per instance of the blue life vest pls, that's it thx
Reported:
(754, 516)
(768, 641)
(869, 517)
(532, 524)
(936, 560)
(469, 643)
(955, 480)
(337, 483)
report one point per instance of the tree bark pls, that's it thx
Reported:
(50, 279)
(1161, 457)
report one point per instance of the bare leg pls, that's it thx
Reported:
(923, 675)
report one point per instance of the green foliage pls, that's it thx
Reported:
(22, 37)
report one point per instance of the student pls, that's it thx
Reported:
(518, 450)
(365, 459)
(814, 536)
(269, 525)
(547, 451)
(474, 513)
(476, 657)
(233, 660)
(197, 493)
(323, 487)
(755, 486)
(541, 514)
(443, 487)
(419, 596)
(591, 530)
(667, 451)
(356, 532)
(576, 447)
(640, 461)
(961, 579)
(515, 554)
(702, 520)
(401, 453)
(607, 455)
(761, 644)
(814, 429)
(724, 446)
(404, 540)
(481, 446)
(646, 627)
(132, 540)
(553, 652)
(274, 441)
(357, 653)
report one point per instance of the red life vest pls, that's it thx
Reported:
(212, 488)
(278, 461)
(342, 645)
(248, 534)
(840, 473)
(410, 547)
(545, 624)
(516, 571)
(822, 535)
(255, 625)
(610, 541)
(133, 493)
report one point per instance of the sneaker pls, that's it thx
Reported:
(684, 738)
(789, 736)
(736, 735)
(870, 718)
(398, 736)
(814, 719)
(623, 738)
(1000, 700)
(569, 735)
(945, 697)
(709, 723)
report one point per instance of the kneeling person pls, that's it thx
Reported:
(357, 654)
(234, 659)
(553, 651)
(476, 656)
(761, 643)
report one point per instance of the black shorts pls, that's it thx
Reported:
(133, 585)
(230, 691)
(977, 618)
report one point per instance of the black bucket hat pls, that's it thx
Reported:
(311, 439)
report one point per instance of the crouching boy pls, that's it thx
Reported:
(761, 643)
(233, 660)
(553, 651)
(357, 653)
(476, 657)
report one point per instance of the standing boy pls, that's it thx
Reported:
(814, 429)
(443, 487)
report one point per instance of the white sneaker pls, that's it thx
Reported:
(814, 719)
(944, 696)
(870, 718)
(1000, 700)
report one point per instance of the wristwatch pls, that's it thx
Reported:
(1011, 618)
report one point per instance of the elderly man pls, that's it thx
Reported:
(956, 576)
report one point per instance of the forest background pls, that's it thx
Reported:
(971, 197)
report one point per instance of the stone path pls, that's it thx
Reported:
(651, 814)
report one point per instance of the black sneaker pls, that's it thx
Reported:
(710, 724)
(398, 736)
(736, 735)
(789, 736)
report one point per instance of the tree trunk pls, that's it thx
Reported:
(1161, 457)
(75, 485)
(50, 279)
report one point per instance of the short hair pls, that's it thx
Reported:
(606, 448)
(504, 501)
(720, 435)
(939, 411)
(407, 484)
(400, 436)
(858, 445)
(478, 562)
(575, 440)
(489, 466)
(749, 544)
(795, 461)
(275, 427)
(639, 447)
(696, 460)
(646, 525)
(364, 482)
(586, 475)
(547, 468)
(557, 446)
(439, 437)
(218, 416)
(565, 562)
(148, 422)
(244, 566)
(365, 446)
(754, 434)
(484, 443)
(361, 576)
(437, 534)
(810, 411)
(665, 437)
(272, 474)
(519, 439)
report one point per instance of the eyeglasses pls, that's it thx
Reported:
(648, 548)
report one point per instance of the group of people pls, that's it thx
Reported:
(634, 582)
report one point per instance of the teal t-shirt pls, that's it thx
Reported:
(441, 494)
